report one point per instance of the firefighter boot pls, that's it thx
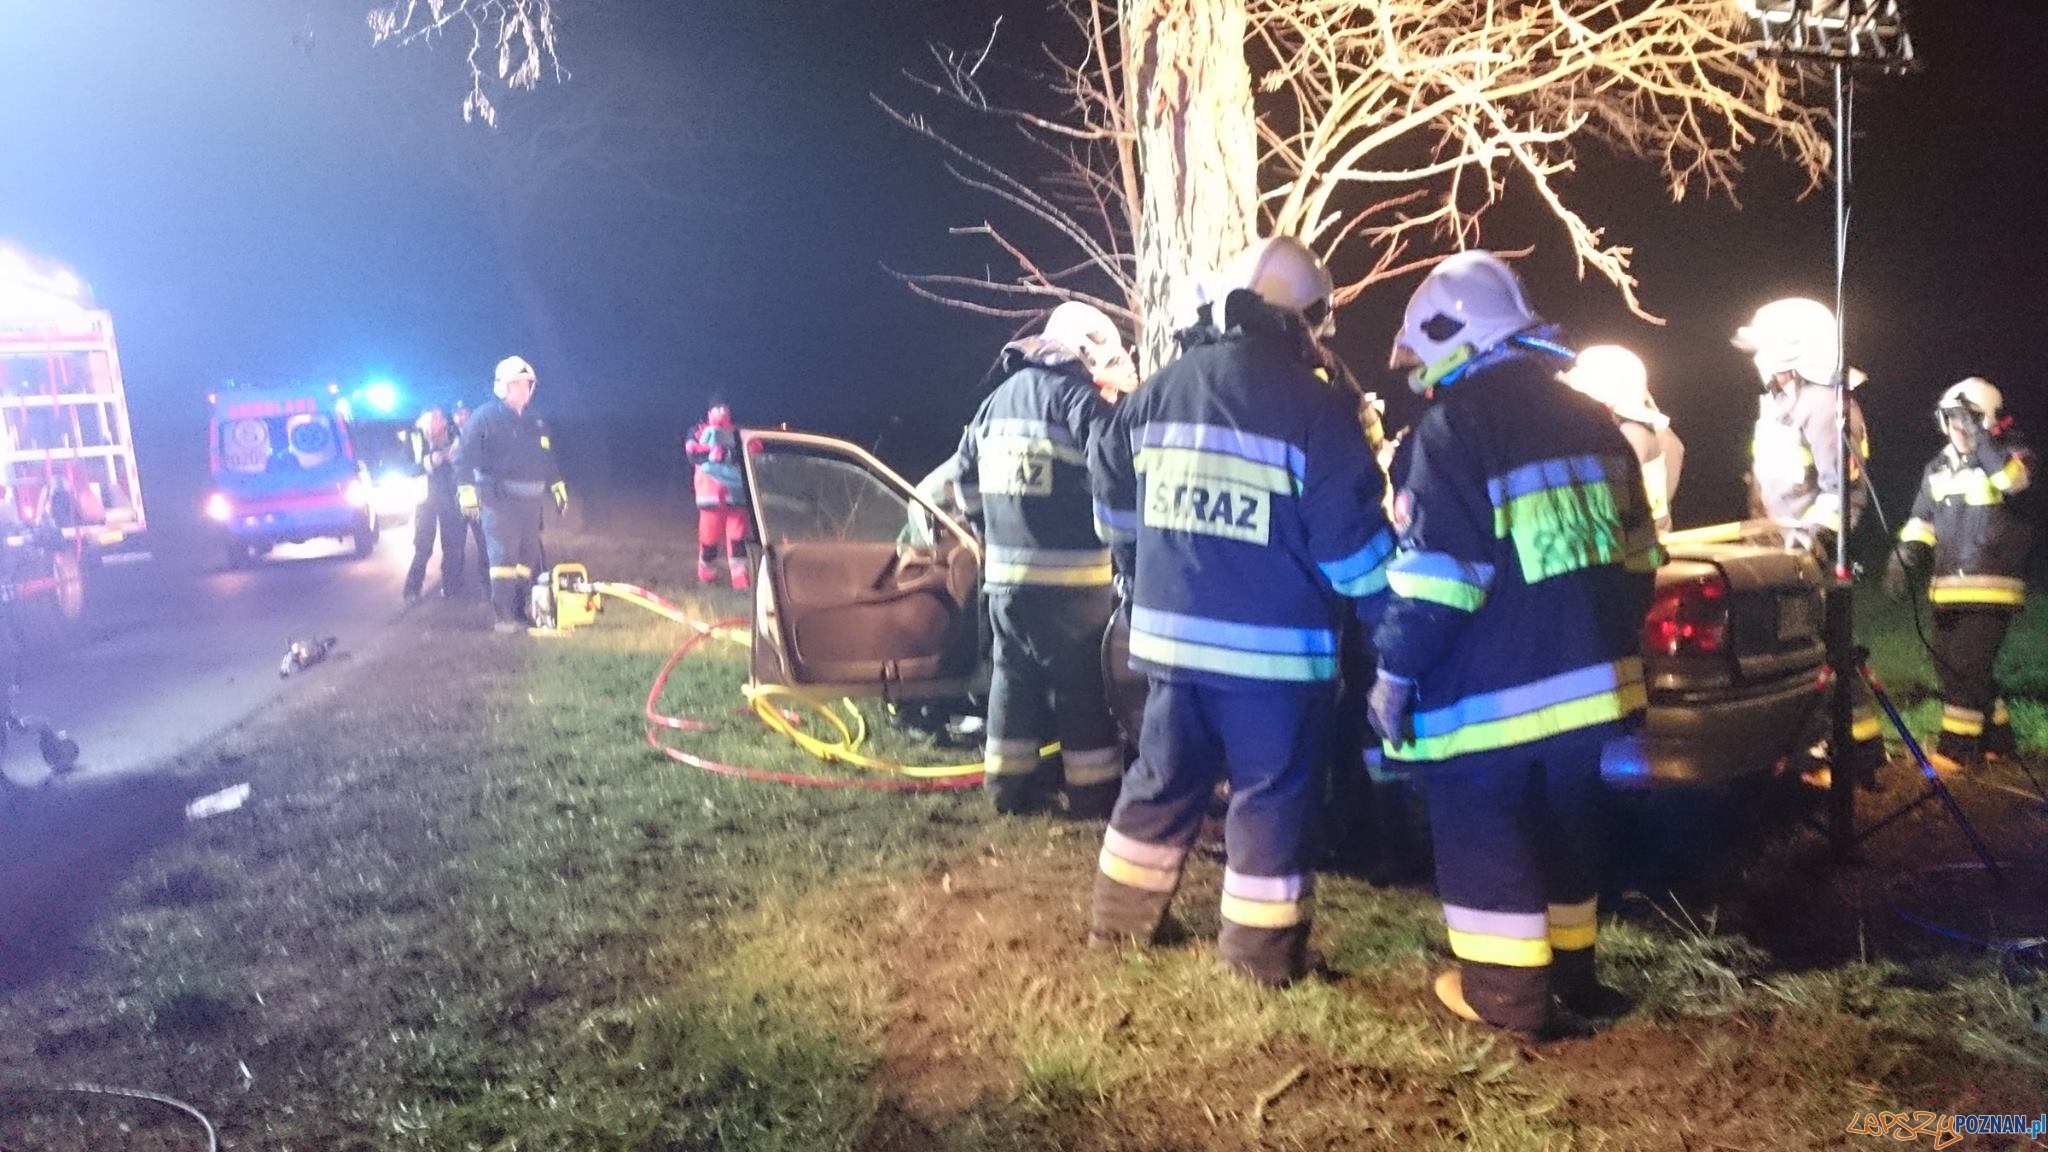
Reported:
(1122, 914)
(1510, 998)
(1999, 742)
(1275, 957)
(1092, 801)
(1577, 986)
(1954, 752)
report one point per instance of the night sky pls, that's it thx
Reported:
(713, 197)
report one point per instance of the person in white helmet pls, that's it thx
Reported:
(1243, 504)
(1795, 453)
(1508, 653)
(1021, 474)
(1970, 526)
(505, 472)
(1616, 378)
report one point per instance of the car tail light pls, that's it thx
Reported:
(1688, 618)
(218, 508)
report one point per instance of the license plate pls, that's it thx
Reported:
(1795, 618)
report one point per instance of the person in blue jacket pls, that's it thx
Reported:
(1243, 502)
(1508, 651)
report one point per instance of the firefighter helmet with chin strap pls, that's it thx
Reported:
(1616, 378)
(1093, 335)
(1283, 273)
(1978, 397)
(1794, 335)
(509, 369)
(1467, 305)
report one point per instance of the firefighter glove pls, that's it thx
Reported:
(465, 499)
(560, 491)
(1391, 705)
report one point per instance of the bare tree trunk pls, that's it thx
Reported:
(1197, 149)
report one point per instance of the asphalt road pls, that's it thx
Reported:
(177, 648)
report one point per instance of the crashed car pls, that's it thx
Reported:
(870, 589)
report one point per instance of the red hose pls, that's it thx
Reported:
(658, 721)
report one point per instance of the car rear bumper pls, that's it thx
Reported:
(1713, 740)
(297, 524)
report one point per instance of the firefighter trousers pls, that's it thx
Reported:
(1047, 685)
(512, 535)
(1269, 742)
(1973, 716)
(1517, 837)
(444, 519)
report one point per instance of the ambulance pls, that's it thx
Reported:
(285, 471)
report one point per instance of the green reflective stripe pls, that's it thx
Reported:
(1917, 531)
(1436, 589)
(1645, 552)
(1527, 728)
(1184, 464)
(1562, 529)
(1231, 661)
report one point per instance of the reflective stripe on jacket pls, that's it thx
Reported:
(1971, 513)
(1252, 506)
(1526, 564)
(1022, 470)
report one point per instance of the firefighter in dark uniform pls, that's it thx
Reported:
(1508, 650)
(433, 455)
(505, 471)
(1021, 473)
(1969, 525)
(473, 526)
(1238, 484)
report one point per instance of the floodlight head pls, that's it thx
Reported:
(1855, 33)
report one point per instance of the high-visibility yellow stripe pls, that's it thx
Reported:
(2000, 717)
(1436, 590)
(1230, 661)
(509, 571)
(1139, 876)
(1526, 728)
(1865, 727)
(1195, 465)
(1959, 721)
(1262, 913)
(1508, 951)
(1573, 927)
(1917, 531)
(2003, 590)
(1562, 529)
(2011, 478)
(1060, 577)
(1971, 484)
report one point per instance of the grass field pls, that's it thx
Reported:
(469, 909)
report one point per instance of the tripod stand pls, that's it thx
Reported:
(1936, 789)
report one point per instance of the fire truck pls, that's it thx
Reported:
(69, 488)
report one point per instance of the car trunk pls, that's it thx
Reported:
(1730, 618)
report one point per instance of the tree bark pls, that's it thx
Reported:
(1197, 150)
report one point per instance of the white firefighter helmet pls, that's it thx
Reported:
(1281, 271)
(1468, 304)
(1090, 332)
(1977, 396)
(1792, 335)
(1615, 377)
(509, 369)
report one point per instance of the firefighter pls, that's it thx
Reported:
(505, 471)
(1237, 486)
(1795, 458)
(473, 526)
(721, 489)
(1021, 473)
(1795, 452)
(1970, 525)
(1508, 650)
(433, 454)
(1615, 377)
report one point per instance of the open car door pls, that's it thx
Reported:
(866, 588)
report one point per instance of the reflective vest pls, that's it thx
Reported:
(1022, 470)
(718, 481)
(1526, 565)
(1795, 453)
(1249, 500)
(1969, 512)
